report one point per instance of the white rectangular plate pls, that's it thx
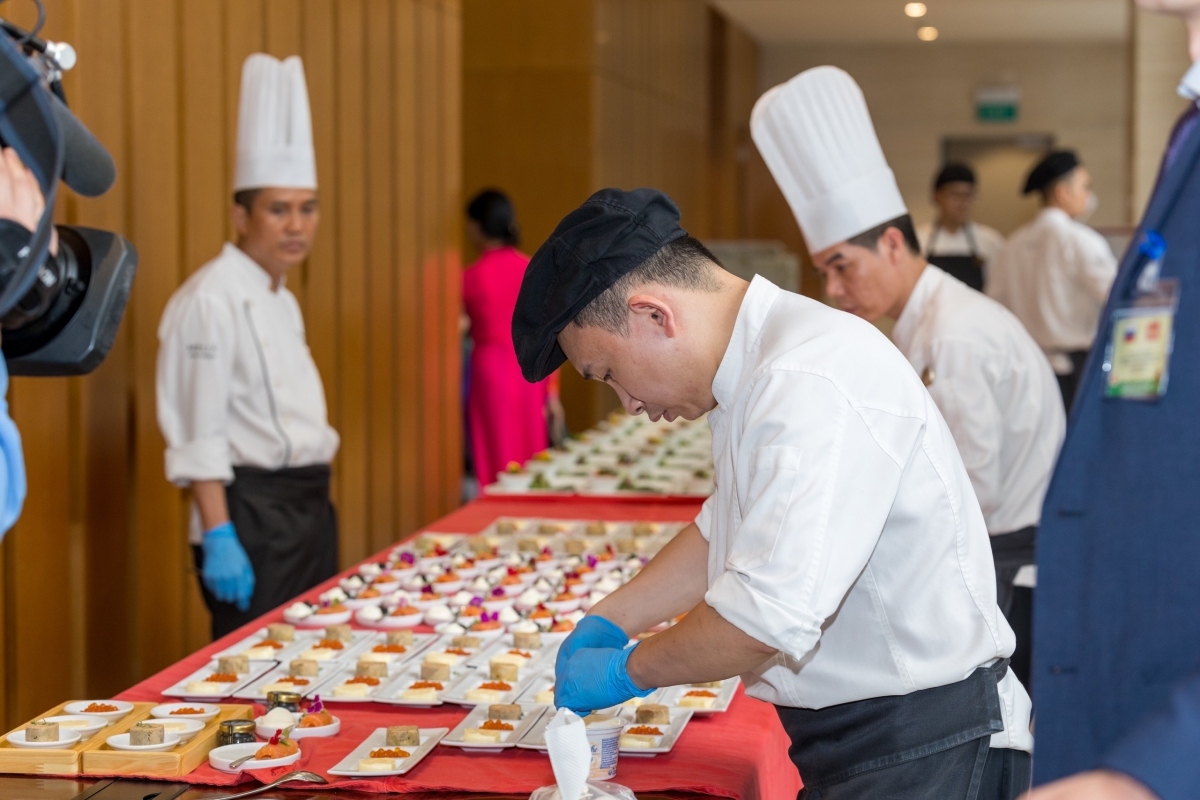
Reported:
(289, 648)
(543, 657)
(670, 696)
(679, 720)
(254, 689)
(458, 692)
(359, 641)
(533, 714)
(391, 692)
(421, 642)
(257, 670)
(539, 683)
(346, 672)
(348, 766)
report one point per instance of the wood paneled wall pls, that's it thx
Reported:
(564, 97)
(96, 586)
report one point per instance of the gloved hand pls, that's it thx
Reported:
(591, 631)
(227, 572)
(595, 678)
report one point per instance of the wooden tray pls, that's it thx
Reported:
(68, 760)
(100, 759)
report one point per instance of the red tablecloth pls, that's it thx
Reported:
(741, 753)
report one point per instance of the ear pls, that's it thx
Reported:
(240, 217)
(892, 245)
(655, 310)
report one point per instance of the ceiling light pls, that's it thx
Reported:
(927, 33)
(915, 9)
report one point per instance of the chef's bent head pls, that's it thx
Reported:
(622, 292)
(815, 134)
(275, 211)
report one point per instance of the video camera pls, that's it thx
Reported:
(59, 312)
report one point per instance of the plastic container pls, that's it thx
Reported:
(604, 737)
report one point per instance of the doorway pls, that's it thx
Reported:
(1001, 164)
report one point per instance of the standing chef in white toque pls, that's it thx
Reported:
(842, 565)
(1054, 273)
(989, 379)
(240, 402)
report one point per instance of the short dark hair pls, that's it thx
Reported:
(904, 224)
(1047, 191)
(684, 263)
(497, 218)
(245, 198)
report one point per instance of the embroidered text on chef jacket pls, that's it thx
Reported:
(844, 531)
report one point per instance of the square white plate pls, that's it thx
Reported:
(670, 696)
(542, 657)
(345, 673)
(257, 670)
(359, 641)
(533, 714)
(535, 737)
(348, 766)
(254, 690)
(421, 642)
(391, 692)
(458, 692)
(287, 652)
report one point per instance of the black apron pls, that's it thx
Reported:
(927, 744)
(1010, 552)
(968, 268)
(288, 526)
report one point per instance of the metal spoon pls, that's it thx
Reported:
(299, 775)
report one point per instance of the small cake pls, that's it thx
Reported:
(545, 696)
(144, 733)
(324, 650)
(489, 692)
(264, 650)
(490, 732)
(216, 683)
(500, 671)
(342, 633)
(403, 736)
(467, 642)
(289, 683)
(435, 672)
(528, 545)
(527, 641)
(451, 656)
(644, 529)
(576, 547)
(41, 731)
(698, 698)
(402, 638)
(653, 714)
(508, 711)
(518, 658)
(358, 686)
(422, 691)
(371, 669)
(376, 764)
(304, 668)
(281, 632)
(239, 664)
(625, 545)
(640, 736)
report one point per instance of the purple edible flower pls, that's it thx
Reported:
(476, 601)
(316, 706)
(497, 592)
(592, 561)
(408, 558)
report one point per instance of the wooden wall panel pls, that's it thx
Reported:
(379, 292)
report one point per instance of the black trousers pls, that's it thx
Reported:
(1010, 552)
(1067, 384)
(288, 526)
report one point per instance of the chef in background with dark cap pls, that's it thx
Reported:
(1054, 273)
(952, 240)
(842, 565)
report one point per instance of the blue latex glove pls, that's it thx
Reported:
(227, 572)
(591, 631)
(595, 678)
(12, 460)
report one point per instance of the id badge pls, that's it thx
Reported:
(1137, 359)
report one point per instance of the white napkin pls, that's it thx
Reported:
(570, 753)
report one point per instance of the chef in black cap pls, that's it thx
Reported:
(952, 240)
(1054, 273)
(842, 565)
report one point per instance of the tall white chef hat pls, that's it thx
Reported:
(274, 136)
(816, 136)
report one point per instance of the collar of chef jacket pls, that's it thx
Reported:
(249, 269)
(1189, 87)
(906, 324)
(745, 341)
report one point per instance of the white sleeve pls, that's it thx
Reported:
(1097, 266)
(814, 500)
(195, 368)
(963, 394)
(704, 518)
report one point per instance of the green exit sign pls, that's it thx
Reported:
(997, 104)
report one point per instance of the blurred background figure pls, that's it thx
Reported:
(507, 418)
(1055, 272)
(952, 240)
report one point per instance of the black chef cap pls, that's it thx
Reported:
(954, 173)
(591, 249)
(1050, 169)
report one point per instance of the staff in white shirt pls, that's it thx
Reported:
(240, 402)
(1054, 273)
(989, 379)
(842, 565)
(952, 240)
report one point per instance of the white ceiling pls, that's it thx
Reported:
(874, 21)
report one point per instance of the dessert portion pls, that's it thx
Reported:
(505, 711)
(281, 632)
(492, 731)
(264, 650)
(288, 683)
(144, 734)
(527, 641)
(304, 668)
(41, 731)
(403, 736)
(279, 746)
(698, 698)
(435, 672)
(640, 736)
(451, 656)
(545, 696)
(370, 669)
(489, 692)
(358, 686)
(422, 691)
(402, 638)
(279, 718)
(467, 642)
(217, 683)
(239, 664)
(653, 714)
(382, 759)
(516, 657)
(324, 650)
(341, 633)
(385, 653)
(502, 671)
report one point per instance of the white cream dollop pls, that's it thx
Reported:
(508, 616)
(370, 570)
(574, 616)
(371, 614)
(544, 586)
(524, 626)
(352, 584)
(496, 574)
(480, 585)
(454, 629)
(461, 598)
(439, 613)
(530, 598)
(334, 595)
(299, 610)
(279, 718)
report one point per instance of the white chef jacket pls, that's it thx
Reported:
(995, 390)
(843, 531)
(236, 383)
(1054, 273)
(988, 241)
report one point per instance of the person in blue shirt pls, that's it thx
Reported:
(1117, 615)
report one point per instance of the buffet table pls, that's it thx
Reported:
(739, 754)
